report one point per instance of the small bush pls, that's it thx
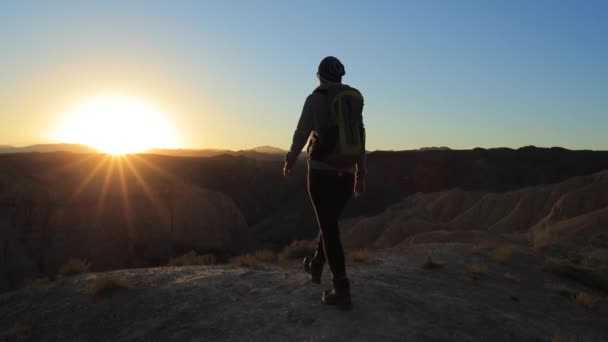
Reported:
(501, 254)
(35, 282)
(252, 259)
(432, 263)
(478, 247)
(586, 299)
(298, 249)
(191, 259)
(557, 338)
(17, 332)
(512, 277)
(108, 284)
(561, 289)
(362, 255)
(477, 270)
(73, 267)
(475, 249)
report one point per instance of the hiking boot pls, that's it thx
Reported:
(339, 296)
(314, 268)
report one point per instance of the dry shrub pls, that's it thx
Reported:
(73, 267)
(362, 255)
(512, 277)
(477, 270)
(557, 338)
(501, 254)
(475, 249)
(561, 289)
(252, 259)
(108, 284)
(478, 247)
(586, 299)
(17, 332)
(298, 249)
(35, 282)
(432, 263)
(191, 259)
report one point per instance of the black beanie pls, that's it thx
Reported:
(331, 69)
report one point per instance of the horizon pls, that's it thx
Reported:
(203, 76)
(153, 150)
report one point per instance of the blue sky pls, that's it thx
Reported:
(234, 74)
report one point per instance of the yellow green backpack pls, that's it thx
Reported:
(342, 143)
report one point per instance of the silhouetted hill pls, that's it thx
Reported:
(187, 152)
(73, 148)
(435, 148)
(269, 149)
(261, 152)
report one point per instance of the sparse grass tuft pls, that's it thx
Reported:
(478, 247)
(432, 263)
(108, 284)
(512, 277)
(362, 255)
(557, 338)
(475, 248)
(591, 272)
(586, 299)
(191, 259)
(477, 270)
(252, 259)
(35, 282)
(17, 332)
(501, 254)
(298, 249)
(561, 289)
(73, 267)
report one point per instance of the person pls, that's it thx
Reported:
(336, 169)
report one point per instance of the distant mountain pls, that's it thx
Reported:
(434, 148)
(73, 148)
(268, 149)
(179, 152)
(259, 153)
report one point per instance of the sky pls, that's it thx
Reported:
(235, 74)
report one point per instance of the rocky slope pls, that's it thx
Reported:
(394, 300)
(571, 216)
(109, 212)
(147, 208)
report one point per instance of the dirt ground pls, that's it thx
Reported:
(395, 299)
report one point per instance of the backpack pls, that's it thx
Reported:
(342, 142)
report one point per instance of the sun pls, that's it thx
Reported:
(117, 124)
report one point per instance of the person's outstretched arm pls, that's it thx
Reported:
(300, 137)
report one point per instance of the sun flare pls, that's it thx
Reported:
(117, 124)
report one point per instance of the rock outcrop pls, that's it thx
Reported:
(569, 216)
(394, 300)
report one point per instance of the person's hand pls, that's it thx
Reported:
(286, 170)
(359, 187)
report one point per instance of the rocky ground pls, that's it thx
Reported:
(395, 299)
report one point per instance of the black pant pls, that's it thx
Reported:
(329, 192)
